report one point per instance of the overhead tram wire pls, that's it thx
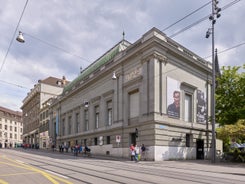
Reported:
(13, 37)
(225, 50)
(186, 16)
(9, 83)
(56, 47)
(202, 19)
(175, 34)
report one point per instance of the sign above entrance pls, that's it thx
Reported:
(133, 74)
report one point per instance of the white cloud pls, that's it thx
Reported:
(89, 28)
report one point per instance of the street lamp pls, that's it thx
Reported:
(215, 15)
(20, 37)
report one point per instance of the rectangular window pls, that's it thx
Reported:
(10, 128)
(15, 129)
(188, 140)
(108, 139)
(15, 136)
(97, 114)
(77, 123)
(97, 120)
(188, 108)
(0, 126)
(6, 127)
(63, 126)
(109, 113)
(134, 104)
(10, 136)
(69, 125)
(47, 113)
(95, 141)
(86, 120)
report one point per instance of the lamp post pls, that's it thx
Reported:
(215, 15)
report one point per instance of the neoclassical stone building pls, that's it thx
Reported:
(153, 92)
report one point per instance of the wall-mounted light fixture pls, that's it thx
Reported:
(114, 77)
(86, 104)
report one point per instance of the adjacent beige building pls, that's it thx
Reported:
(126, 97)
(11, 128)
(35, 113)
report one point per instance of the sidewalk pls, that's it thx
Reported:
(109, 157)
(81, 155)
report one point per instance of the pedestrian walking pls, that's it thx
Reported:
(137, 153)
(132, 152)
(143, 149)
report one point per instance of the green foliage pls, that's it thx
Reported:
(230, 98)
(229, 133)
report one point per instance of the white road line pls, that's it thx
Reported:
(56, 174)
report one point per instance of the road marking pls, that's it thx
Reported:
(50, 177)
(3, 182)
(20, 161)
(23, 173)
(57, 174)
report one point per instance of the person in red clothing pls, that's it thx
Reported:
(132, 152)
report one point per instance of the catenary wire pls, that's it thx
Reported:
(5, 57)
(227, 49)
(186, 16)
(56, 47)
(202, 19)
(175, 34)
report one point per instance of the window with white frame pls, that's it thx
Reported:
(188, 107)
(134, 104)
(86, 120)
(109, 113)
(97, 115)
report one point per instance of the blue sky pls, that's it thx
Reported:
(87, 29)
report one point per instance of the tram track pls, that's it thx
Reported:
(107, 171)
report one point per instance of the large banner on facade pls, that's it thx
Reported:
(201, 107)
(173, 98)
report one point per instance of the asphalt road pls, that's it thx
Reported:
(19, 166)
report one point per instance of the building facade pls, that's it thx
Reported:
(35, 111)
(159, 96)
(11, 128)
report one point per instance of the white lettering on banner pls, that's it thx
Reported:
(135, 73)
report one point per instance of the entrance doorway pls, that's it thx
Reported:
(200, 149)
(133, 138)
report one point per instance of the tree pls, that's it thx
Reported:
(232, 133)
(229, 94)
